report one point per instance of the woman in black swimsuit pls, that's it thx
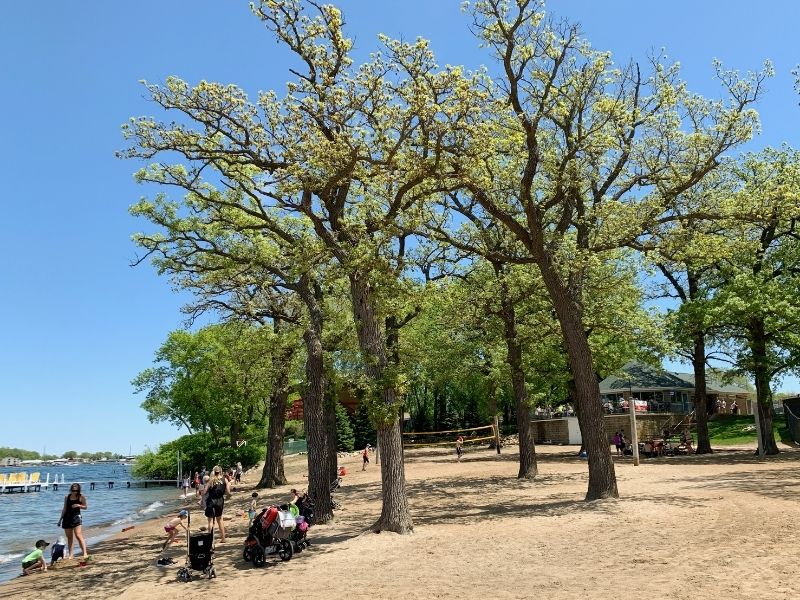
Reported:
(216, 492)
(71, 519)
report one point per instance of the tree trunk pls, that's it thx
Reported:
(528, 469)
(313, 411)
(758, 347)
(329, 410)
(272, 474)
(602, 477)
(395, 514)
(700, 397)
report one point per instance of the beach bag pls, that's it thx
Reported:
(286, 519)
(294, 510)
(269, 516)
(216, 495)
(302, 527)
(299, 519)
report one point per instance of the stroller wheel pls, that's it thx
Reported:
(285, 550)
(247, 554)
(184, 575)
(259, 559)
(212, 573)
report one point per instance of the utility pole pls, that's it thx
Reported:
(634, 435)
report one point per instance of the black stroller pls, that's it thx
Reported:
(267, 536)
(199, 553)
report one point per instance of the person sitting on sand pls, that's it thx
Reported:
(35, 560)
(627, 447)
(171, 527)
(648, 449)
(686, 440)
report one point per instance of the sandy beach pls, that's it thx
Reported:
(688, 526)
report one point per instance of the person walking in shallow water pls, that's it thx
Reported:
(71, 520)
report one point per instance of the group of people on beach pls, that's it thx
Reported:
(71, 521)
(652, 448)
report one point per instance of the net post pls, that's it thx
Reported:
(497, 433)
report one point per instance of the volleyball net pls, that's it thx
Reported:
(471, 435)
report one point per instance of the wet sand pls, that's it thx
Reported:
(688, 526)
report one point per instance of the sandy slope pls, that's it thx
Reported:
(700, 527)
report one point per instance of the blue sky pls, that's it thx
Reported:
(77, 321)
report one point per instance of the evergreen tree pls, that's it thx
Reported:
(345, 439)
(363, 431)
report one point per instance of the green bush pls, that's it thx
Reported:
(196, 449)
(294, 430)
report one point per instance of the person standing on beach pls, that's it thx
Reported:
(185, 489)
(365, 458)
(459, 447)
(202, 491)
(71, 520)
(216, 491)
(251, 511)
(238, 476)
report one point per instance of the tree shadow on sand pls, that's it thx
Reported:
(772, 483)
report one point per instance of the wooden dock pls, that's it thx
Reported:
(33, 483)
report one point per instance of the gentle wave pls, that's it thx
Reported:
(150, 508)
(154, 506)
(7, 558)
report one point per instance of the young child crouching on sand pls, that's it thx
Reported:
(172, 528)
(35, 560)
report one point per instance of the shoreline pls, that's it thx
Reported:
(113, 551)
(494, 535)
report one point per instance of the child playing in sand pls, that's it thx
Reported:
(35, 560)
(251, 512)
(171, 528)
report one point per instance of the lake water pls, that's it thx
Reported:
(25, 518)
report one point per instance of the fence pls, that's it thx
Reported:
(791, 412)
(294, 446)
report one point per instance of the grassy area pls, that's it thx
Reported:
(727, 430)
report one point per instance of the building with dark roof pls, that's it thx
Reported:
(657, 390)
